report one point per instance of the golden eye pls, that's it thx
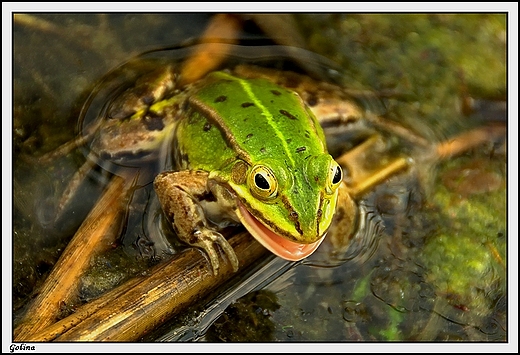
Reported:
(262, 182)
(334, 177)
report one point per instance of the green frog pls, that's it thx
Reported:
(246, 150)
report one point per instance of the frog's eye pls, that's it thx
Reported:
(334, 177)
(262, 182)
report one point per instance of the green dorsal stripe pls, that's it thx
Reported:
(266, 113)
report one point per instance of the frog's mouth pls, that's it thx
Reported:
(278, 245)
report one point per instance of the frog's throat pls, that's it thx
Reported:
(278, 245)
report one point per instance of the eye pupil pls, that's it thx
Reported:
(261, 182)
(337, 176)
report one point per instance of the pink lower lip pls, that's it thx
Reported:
(278, 245)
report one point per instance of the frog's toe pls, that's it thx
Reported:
(228, 250)
(206, 241)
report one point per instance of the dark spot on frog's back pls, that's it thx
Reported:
(153, 122)
(207, 127)
(276, 92)
(288, 115)
(221, 98)
(300, 149)
(247, 104)
(248, 137)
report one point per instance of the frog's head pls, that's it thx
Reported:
(288, 209)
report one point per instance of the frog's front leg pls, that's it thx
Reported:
(179, 194)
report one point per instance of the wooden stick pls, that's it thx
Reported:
(470, 139)
(138, 306)
(223, 28)
(56, 329)
(362, 181)
(369, 181)
(348, 159)
(36, 23)
(61, 285)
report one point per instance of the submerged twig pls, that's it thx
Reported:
(395, 166)
(61, 285)
(141, 304)
(223, 28)
(469, 140)
(361, 180)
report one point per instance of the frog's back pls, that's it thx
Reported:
(229, 117)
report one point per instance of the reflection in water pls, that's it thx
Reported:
(247, 319)
(272, 268)
(358, 249)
